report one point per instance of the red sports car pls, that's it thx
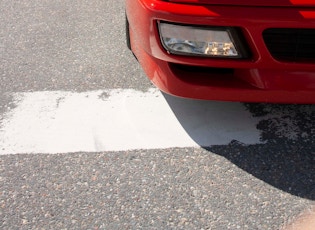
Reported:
(231, 50)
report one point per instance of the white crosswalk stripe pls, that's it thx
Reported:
(120, 119)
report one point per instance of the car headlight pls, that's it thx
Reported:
(201, 41)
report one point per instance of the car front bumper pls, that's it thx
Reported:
(259, 78)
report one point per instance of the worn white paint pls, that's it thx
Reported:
(117, 120)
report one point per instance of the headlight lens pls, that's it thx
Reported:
(204, 41)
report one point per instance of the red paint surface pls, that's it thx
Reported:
(258, 79)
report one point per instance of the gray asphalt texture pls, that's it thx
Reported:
(80, 46)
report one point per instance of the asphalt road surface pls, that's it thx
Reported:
(86, 141)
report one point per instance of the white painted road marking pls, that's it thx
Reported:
(120, 119)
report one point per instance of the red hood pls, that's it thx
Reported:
(287, 3)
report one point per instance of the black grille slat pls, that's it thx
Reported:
(296, 45)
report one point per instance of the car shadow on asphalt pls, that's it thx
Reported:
(285, 156)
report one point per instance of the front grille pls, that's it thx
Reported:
(297, 45)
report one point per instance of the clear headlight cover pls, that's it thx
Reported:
(204, 41)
